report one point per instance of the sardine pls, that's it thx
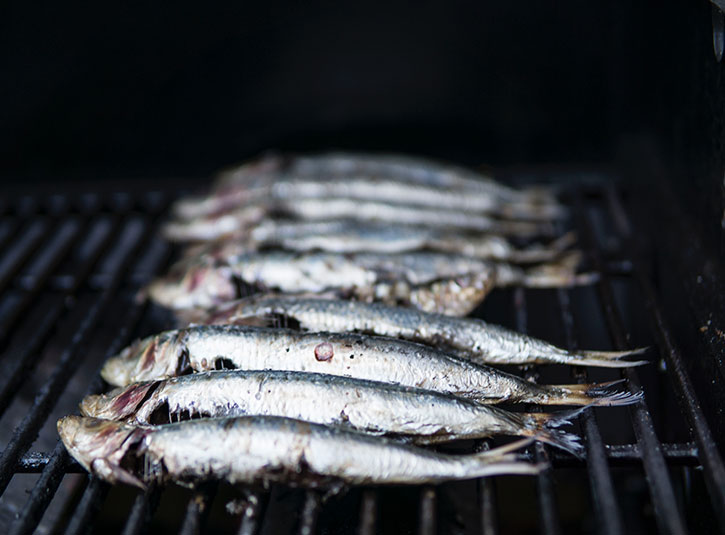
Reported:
(266, 450)
(345, 236)
(205, 348)
(368, 406)
(410, 169)
(469, 338)
(366, 188)
(227, 223)
(435, 282)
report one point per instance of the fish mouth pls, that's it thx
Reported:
(156, 357)
(109, 450)
(120, 403)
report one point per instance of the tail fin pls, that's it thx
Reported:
(500, 461)
(597, 394)
(607, 359)
(561, 273)
(544, 427)
(532, 211)
(544, 253)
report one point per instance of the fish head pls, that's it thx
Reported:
(101, 447)
(155, 357)
(195, 284)
(118, 404)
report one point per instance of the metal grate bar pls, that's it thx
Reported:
(197, 509)
(677, 453)
(42, 493)
(15, 257)
(255, 506)
(427, 511)
(606, 508)
(88, 507)
(39, 498)
(707, 452)
(59, 247)
(25, 433)
(310, 512)
(544, 482)
(19, 366)
(667, 513)
(141, 511)
(368, 512)
(487, 498)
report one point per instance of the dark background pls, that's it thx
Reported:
(143, 91)
(182, 88)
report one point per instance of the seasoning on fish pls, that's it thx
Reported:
(468, 338)
(205, 348)
(346, 236)
(227, 223)
(435, 282)
(266, 450)
(368, 406)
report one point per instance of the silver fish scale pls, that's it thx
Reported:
(257, 449)
(365, 405)
(348, 355)
(471, 338)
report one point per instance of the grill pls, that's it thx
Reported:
(69, 271)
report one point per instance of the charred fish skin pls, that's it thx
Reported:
(265, 450)
(468, 338)
(204, 348)
(366, 406)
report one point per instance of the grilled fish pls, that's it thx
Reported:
(345, 236)
(223, 224)
(366, 188)
(205, 348)
(468, 338)
(266, 450)
(410, 169)
(368, 406)
(435, 282)
(353, 176)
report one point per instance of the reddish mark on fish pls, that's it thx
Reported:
(196, 278)
(149, 356)
(127, 401)
(323, 351)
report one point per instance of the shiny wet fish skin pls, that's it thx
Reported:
(469, 338)
(266, 450)
(236, 220)
(346, 236)
(367, 406)
(204, 348)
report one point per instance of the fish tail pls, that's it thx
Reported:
(544, 427)
(545, 253)
(598, 394)
(532, 211)
(561, 273)
(607, 359)
(501, 461)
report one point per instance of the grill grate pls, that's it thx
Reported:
(69, 271)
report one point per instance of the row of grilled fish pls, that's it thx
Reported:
(235, 396)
